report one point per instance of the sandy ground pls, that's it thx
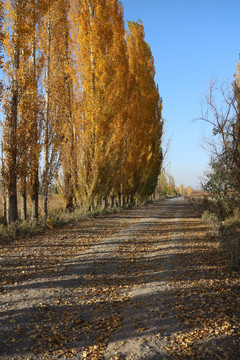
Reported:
(145, 283)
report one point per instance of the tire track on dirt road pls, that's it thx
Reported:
(149, 319)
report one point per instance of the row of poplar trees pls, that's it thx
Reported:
(80, 104)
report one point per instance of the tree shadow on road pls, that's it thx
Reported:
(164, 290)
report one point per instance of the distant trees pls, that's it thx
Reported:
(166, 184)
(80, 93)
(182, 190)
(189, 191)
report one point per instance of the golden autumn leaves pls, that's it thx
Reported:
(80, 94)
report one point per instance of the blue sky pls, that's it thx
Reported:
(191, 42)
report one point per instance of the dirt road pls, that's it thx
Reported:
(145, 283)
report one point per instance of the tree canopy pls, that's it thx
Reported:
(80, 94)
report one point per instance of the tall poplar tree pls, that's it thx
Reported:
(23, 128)
(46, 42)
(35, 102)
(58, 127)
(30, 119)
(29, 112)
(62, 98)
(100, 59)
(15, 49)
(145, 120)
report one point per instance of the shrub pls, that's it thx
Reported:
(230, 238)
(228, 233)
(212, 221)
(21, 229)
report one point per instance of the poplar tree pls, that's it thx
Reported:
(62, 96)
(46, 44)
(47, 31)
(15, 49)
(35, 113)
(23, 128)
(145, 130)
(29, 115)
(100, 59)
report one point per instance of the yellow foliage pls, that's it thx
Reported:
(85, 93)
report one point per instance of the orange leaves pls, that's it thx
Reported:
(205, 298)
(145, 128)
(86, 96)
(100, 58)
(120, 113)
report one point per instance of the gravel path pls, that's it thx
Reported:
(111, 288)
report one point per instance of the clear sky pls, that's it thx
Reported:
(191, 42)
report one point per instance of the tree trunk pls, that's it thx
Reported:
(68, 192)
(69, 208)
(131, 200)
(92, 206)
(4, 206)
(119, 199)
(111, 201)
(105, 202)
(122, 200)
(23, 198)
(24, 205)
(34, 197)
(12, 208)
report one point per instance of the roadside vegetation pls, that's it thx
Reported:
(58, 216)
(223, 221)
(220, 205)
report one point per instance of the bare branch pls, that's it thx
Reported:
(224, 122)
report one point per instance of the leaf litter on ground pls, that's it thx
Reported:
(81, 308)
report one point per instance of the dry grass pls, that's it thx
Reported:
(22, 229)
(55, 205)
(57, 217)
